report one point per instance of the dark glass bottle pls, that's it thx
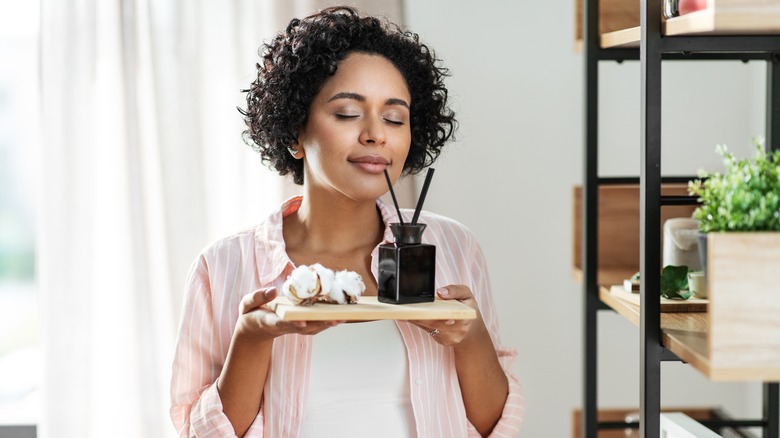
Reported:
(407, 267)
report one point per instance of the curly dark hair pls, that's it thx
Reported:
(299, 60)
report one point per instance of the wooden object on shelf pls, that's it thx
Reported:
(743, 277)
(667, 305)
(613, 15)
(619, 228)
(369, 308)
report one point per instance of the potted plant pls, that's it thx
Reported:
(746, 197)
(740, 214)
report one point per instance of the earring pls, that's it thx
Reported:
(292, 151)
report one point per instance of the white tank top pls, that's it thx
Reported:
(359, 383)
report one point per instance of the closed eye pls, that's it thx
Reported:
(394, 122)
(346, 116)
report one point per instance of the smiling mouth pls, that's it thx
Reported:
(371, 164)
(370, 160)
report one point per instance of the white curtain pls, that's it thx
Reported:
(142, 166)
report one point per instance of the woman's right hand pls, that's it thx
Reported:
(258, 321)
(249, 356)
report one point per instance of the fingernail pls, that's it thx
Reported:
(443, 292)
(270, 292)
(450, 322)
(300, 324)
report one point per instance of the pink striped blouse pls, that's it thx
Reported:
(256, 258)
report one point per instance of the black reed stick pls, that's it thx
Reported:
(395, 201)
(426, 184)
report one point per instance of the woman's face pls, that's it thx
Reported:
(358, 125)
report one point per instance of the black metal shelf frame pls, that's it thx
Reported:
(654, 48)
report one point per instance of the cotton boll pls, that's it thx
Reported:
(302, 286)
(307, 284)
(326, 276)
(336, 295)
(351, 283)
(288, 293)
(331, 292)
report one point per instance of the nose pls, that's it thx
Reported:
(373, 131)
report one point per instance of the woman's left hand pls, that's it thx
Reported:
(451, 332)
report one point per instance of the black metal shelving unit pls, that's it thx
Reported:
(653, 50)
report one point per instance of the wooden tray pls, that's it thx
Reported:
(667, 305)
(369, 308)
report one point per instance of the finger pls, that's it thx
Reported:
(257, 299)
(454, 292)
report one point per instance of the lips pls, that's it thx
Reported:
(370, 163)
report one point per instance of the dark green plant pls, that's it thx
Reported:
(746, 197)
(674, 282)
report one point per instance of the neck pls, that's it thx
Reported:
(333, 224)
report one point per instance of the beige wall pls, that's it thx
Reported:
(517, 86)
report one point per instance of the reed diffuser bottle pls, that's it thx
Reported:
(407, 267)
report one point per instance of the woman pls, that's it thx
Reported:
(338, 99)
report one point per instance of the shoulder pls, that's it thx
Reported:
(233, 251)
(256, 253)
(267, 232)
(216, 259)
(230, 243)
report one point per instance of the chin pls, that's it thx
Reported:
(365, 193)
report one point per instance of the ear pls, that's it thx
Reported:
(296, 150)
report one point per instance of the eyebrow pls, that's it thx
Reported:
(361, 98)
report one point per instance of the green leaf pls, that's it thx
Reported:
(674, 282)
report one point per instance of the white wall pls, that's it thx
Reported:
(517, 87)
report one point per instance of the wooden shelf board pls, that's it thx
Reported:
(692, 304)
(687, 336)
(624, 38)
(726, 21)
(613, 275)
